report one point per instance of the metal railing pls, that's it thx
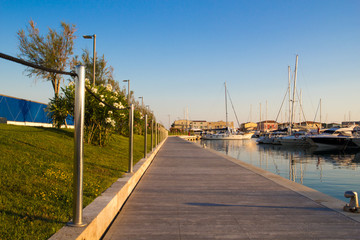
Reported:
(79, 116)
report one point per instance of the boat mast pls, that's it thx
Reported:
(293, 99)
(289, 88)
(266, 118)
(226, 107)
(320, 114)
(300, 104)
(260, 118)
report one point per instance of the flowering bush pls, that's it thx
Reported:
(101, 117)
(61, 106)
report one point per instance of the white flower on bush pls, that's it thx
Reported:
(94, 90)
(110, 112)
(87, 81)
(111, 121)
(109, 87)
(118, 105)
(101, 104)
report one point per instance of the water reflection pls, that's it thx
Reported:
(331, 172)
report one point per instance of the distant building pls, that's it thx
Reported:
(268, 125)
(219, 124)
(198, 125)
(350, 123)
(249, 126)
(331, 125)
(283, 125)
(181, 125)
(311, 124)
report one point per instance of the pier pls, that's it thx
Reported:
(189, 192)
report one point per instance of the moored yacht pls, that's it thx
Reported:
(271, 137)
(340, 138)
(296, 139)
(228, 135)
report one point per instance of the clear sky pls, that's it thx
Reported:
(178, 53)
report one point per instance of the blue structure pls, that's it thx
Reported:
(20, 110)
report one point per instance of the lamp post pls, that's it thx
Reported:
(142, 101)
(142, 104)
(142, 107)
(128, 96)
(94, 52)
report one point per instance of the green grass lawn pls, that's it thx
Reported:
(36, 171)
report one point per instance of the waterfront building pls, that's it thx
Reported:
(267, 125)
(249, 126)
(310, 124)
(182, 125)
(219, 124)
(198, 125)
(350, 123)
(331, 125)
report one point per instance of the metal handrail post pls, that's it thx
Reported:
(152, 134)
(131, 137)
(145, 136)
(79, 116)
(156, 134)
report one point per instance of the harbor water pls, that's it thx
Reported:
(332, 172)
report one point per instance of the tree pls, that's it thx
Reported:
(103, 73)
(51, 51)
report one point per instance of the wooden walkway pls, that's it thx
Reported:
(192, 193)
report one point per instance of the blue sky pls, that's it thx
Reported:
(178, 54)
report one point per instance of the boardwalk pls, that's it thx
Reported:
(191, 193)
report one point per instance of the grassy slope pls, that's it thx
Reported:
(36, 170)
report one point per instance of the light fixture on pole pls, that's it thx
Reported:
(94, 52)
(142, 102)
(128, 96)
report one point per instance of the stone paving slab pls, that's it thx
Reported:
(192, 193)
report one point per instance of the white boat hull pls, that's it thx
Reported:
(294, 141)
(244, 136)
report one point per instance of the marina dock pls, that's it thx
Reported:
(190, 192)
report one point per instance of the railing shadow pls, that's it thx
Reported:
(257, 206)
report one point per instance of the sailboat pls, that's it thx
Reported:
(228, 133)
(294, 138)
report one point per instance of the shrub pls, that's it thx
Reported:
(102, 117)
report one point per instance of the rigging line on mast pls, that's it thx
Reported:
(282, 104)
(305, 84)
(232, 105)
(317, 111)
(301, 107)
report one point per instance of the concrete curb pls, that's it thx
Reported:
(316, 196)
(100, 213)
